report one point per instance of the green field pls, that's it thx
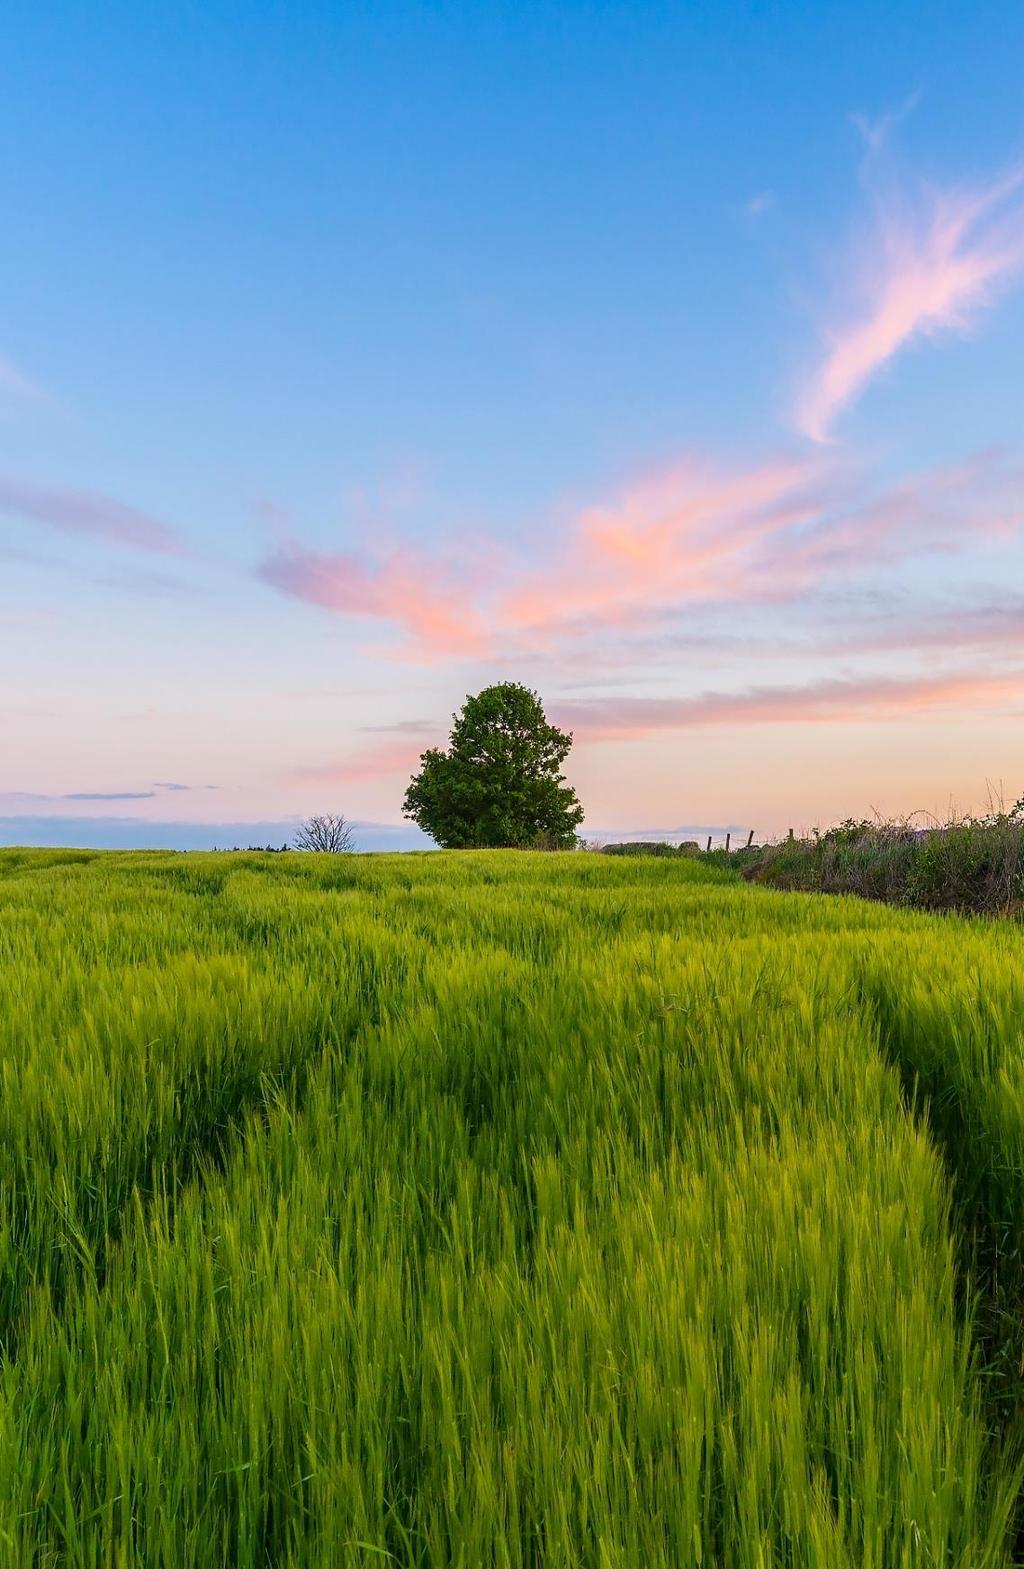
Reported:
(502, 1209)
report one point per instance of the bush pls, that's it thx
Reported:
(973, 864)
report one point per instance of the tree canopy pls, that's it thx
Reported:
(499, 784)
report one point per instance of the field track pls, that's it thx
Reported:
(502, 1210)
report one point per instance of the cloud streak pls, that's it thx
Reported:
(109, 795)
(376, 762)
(17, 387)
(404, 588)
(828, 701)
(691, 538)
(690, 535)
(682, 536)
(931, 261)
(994, 627)
(940, 513)
(87, 514)
(103, 795)
(876, 132)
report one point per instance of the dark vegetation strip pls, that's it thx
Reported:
(950, 1018)
(973, 866)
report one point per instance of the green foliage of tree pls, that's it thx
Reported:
(500, 782)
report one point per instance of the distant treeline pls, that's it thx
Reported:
(652, 847)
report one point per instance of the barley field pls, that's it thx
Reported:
(502, 1210)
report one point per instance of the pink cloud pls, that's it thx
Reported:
(403, 588)
(80, 512)
(994, 627)
(943, 512)
(838, 700)
(688, 534)
(695, 539)
(888, 625)
(376, 762)
(691, 534)
(931, 263)
(692, 537)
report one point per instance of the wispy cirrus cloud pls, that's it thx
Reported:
(830, 700)
(875, 130)
(761, 537)
(996, 627)
(679, 536)
(88, 514)
(898, 625)
(694, 536)
(18, 388)
(406, 589)
(149, 794)
(398, 756)
(761, 204)
(840, 626)
(689, 535)
(80, 795)
(930, 261)
(945, 511)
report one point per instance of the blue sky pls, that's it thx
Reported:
(351, 357)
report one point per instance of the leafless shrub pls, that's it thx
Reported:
(330, 835)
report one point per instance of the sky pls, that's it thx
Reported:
(665, 358)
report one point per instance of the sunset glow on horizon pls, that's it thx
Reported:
(668, 365)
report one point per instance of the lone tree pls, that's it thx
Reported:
(332, 835)
(500, 783)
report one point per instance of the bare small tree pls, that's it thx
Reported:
(330, 835)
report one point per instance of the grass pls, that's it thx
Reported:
(501, 1210)
(968, 865)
